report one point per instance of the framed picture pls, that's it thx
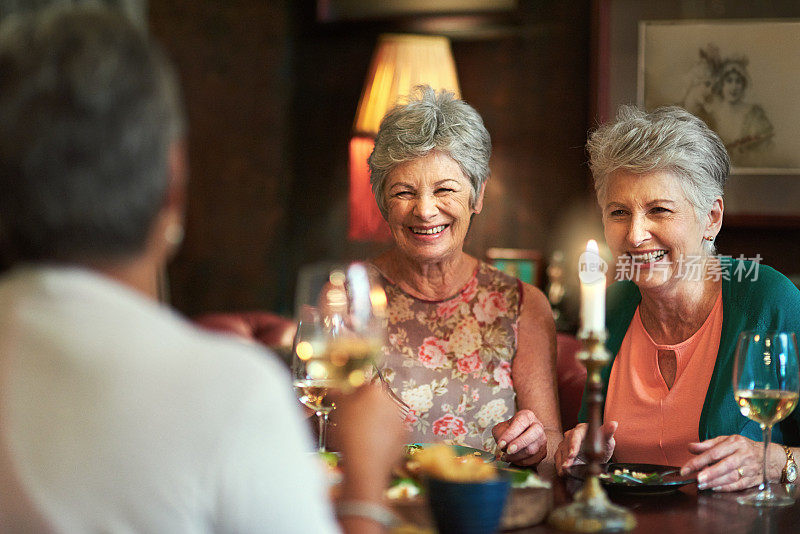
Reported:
(646, 52)
(525, 264)
(735, 75)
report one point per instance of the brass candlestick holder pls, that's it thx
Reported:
(591, 510)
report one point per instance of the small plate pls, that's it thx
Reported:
(672, 482)
(462, 450)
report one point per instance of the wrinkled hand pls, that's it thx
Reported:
(725, 463)
(521, 438)
(571, 451)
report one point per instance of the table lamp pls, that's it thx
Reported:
(400, 62)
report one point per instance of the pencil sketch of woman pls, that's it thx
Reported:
(743, 126)
(716, 94)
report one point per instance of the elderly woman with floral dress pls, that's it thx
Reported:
(470, 349)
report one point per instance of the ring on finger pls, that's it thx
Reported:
(741, 472)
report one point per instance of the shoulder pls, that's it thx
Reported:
(232, 368)
(536, 316)
(756, 111)
(756, 117)
(754, 280)
(533, 300)
(490, 272)
(755, 289)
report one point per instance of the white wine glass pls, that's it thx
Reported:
(766, 385)
(310, 340)
(340, 335)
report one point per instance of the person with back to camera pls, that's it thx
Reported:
(116, 414)
(471, 350)
(674, 322)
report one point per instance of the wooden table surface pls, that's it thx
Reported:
(691, 511)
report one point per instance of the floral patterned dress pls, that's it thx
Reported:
(450, 360)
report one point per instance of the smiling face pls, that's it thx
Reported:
(428, 207)
(653, 228)
(733, 87)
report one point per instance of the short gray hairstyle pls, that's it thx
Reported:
(668, 139)
(431, 121)
(89, 108)
(136, 10)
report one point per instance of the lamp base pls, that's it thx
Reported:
(592, 512)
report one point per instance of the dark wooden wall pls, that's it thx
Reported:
(235, 63)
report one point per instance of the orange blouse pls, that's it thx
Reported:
(655, 422)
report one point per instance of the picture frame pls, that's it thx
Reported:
(734, 75)
(525, 264)
(754, 196)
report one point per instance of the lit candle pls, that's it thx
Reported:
(593, 289)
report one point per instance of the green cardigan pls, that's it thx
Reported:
(771, 302)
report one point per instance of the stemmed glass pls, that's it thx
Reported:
(341, 331)
(765, 384)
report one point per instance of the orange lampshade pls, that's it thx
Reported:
(399, 63)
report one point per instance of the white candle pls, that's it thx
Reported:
(593, 289)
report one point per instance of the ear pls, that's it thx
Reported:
(714, 223)
(177, 173)
(479, 201)
(168, 229)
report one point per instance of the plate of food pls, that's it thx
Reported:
(528, 502)
(648, 479)
(459, 450)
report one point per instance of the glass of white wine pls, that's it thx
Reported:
(340, 335)
(766, 385)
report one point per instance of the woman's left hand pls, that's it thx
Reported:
(725, 463)
(521, 438)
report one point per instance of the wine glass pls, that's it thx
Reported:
(765, 384)
(310, 340)
(340, 334)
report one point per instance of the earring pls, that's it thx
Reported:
(174, 234)
(708, 238)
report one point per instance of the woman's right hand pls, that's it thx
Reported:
(570, 450)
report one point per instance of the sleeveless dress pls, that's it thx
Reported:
(450, 360)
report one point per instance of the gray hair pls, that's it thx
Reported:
(431, 121)
(668, 139)
(136, 10)
(89, 108)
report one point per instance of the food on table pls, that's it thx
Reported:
(413, 448)
(330, 463)
(441, 461)
(522, 478)
(626, 476)
(403, 488)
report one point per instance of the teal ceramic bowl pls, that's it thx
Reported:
(468, 507)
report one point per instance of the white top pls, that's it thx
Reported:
(116, 415)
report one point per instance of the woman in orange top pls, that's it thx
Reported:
(674, 319)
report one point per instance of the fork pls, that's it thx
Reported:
(405, 409)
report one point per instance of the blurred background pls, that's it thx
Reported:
(271, 90)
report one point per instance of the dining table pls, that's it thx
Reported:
(685, 510)
(689, 510)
